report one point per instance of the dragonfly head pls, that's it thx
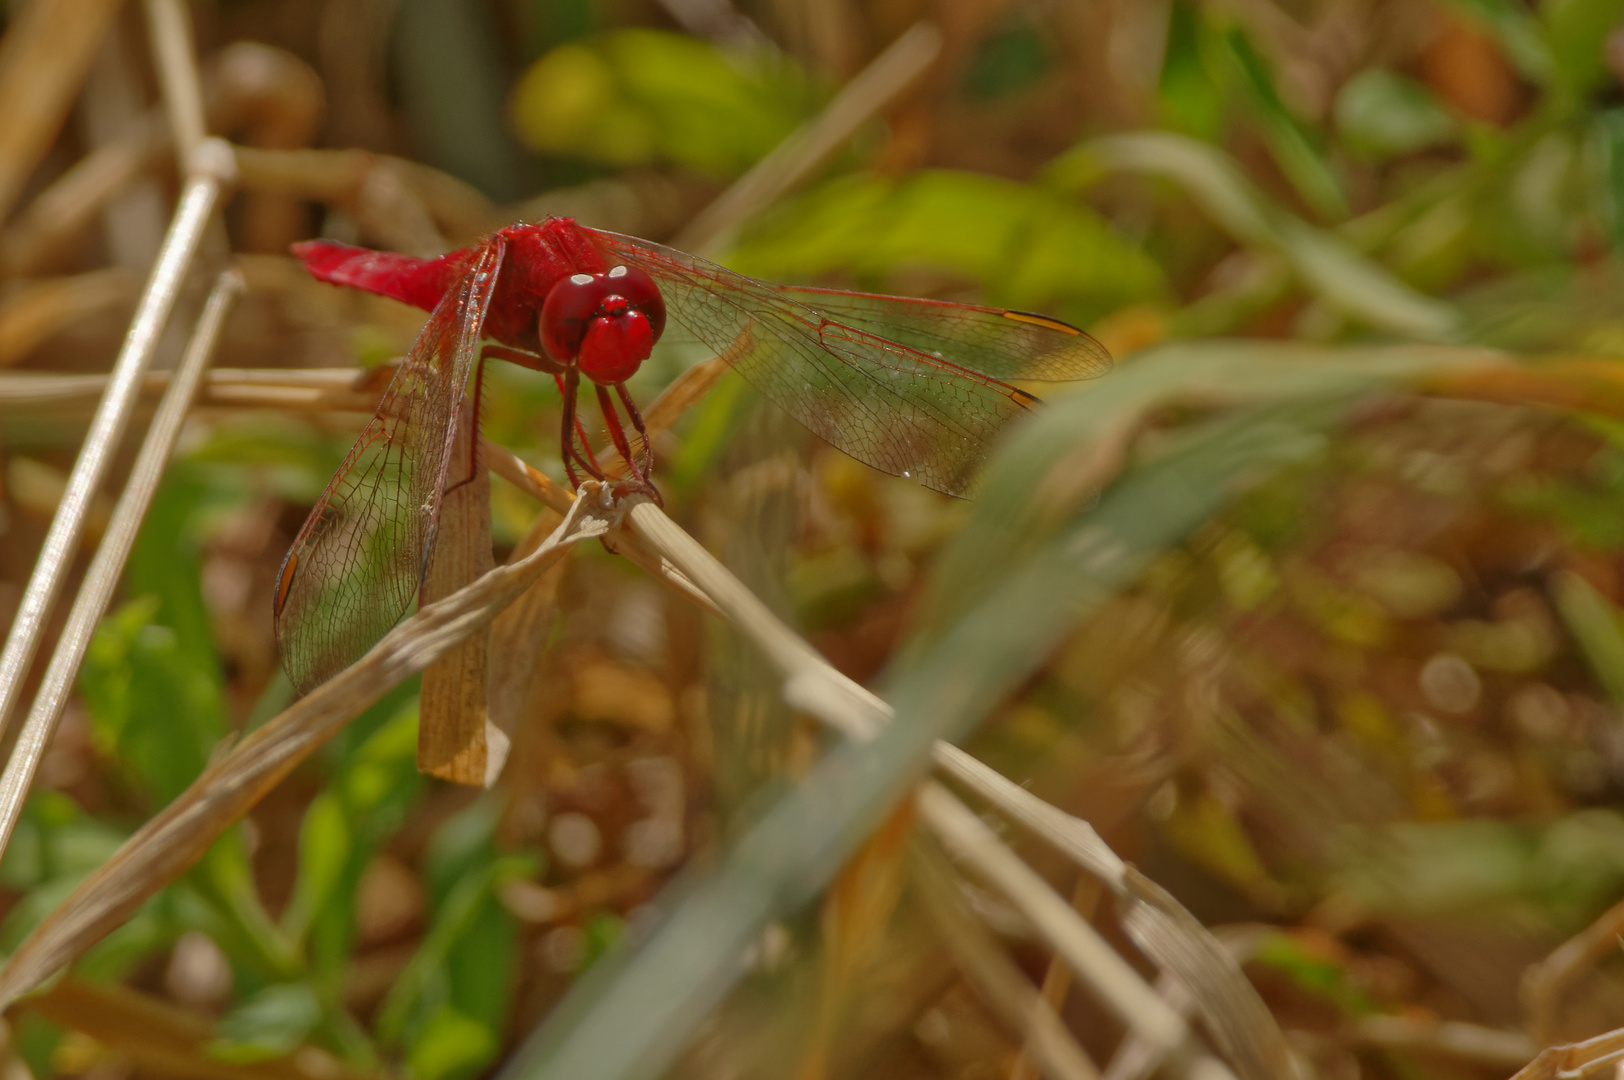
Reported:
(606, 324)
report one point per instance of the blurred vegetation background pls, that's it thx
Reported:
(1349, 682)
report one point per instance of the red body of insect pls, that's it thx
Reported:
(913, 387)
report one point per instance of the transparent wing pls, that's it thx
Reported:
(998, 342)
(833, 362)
(359, 559)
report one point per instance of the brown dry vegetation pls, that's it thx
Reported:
(1286, 659)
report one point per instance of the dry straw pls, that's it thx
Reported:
(422, 208)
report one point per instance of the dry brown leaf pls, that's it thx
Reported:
(456, 740)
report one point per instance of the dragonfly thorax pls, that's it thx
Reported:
(606, 324)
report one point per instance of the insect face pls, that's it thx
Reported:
(606, 323)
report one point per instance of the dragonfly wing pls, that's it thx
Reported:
(901, 410)
(358, 561)
(993, 341)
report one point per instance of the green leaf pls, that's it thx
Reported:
(292, 458)
(1606, 148)
(271, 1024)
(1326, 264)
(1295, 147)
(1022, 246)
(1594, 624)
(1314, 973)
(1189, 101)
(426, 984)
(635, 97)
(325, 849)
(481, 965)
(224, 879)
(450, 1045)
(1576, 30)
(166, 561)
(343, 828)
(1380, 114)
(151, 707)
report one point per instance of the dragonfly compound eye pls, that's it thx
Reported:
(606, 323)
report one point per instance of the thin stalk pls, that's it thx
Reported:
(212, 170)
(102, 577)
(880, 84)
(169, 25)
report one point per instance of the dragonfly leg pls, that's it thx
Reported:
(642, 432)
(617, 434)
(522, 357)
(591, 462)
(640, 473)
(572, 433)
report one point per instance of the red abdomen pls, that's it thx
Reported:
(538, 257)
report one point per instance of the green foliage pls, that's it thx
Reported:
(1576, 30)
(1482, 869)
(1007, 62)
(1242, 209)
(1382, 115)
(1322, 976)
(273, 1023)
(1297, 148)
(1324, 263)
(448, 1008)
(343, 828)
(636, 97)
(1019, 245)
(151, 709)
(1189, 100)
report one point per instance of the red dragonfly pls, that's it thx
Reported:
(915, 388)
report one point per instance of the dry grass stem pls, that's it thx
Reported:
(810, 683)
(41, 309)
(46, 52)
(1582, 384)
(73, 200)
(179, 834)
(997, 980)
(1085, 895)
(1473, 1044)
(856, 912)
(1136, 1059)
(524, 629)
(1577, 1061)
(522, 475)
(1544, 984)
(308, 390)
(1174, 939)
(1116, 985)
(1236, 1018)
(169, 25)
(684, 392)
(885, 79)
(1072, 836)
(211, 172)
(373, 186)
(102, 578)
